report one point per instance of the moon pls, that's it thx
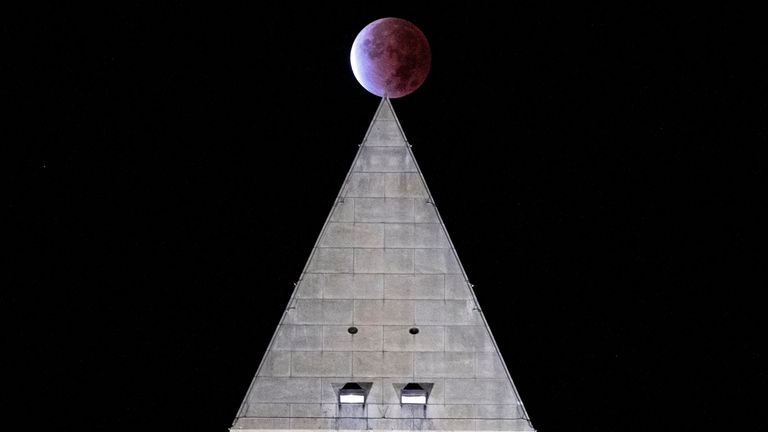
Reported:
(390, 57)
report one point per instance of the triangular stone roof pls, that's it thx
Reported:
(385, 266)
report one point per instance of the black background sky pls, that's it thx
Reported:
(600, 170)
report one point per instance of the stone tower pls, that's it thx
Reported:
(383, 331)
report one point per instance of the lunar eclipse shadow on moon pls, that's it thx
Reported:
(390, 57)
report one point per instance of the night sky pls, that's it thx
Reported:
(601, 172)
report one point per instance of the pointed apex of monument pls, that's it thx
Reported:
(383, 331)
(385, 130)
(385, 110)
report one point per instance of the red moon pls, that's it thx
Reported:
(390, 57)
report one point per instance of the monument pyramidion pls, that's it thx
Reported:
(383, 330)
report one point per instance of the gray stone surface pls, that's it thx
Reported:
(385, 159)
(343, 211)
(298, 338)
(368, 338)
(285, 389)
(311, 286)
(429, 338)
(276, 363)
(385, 185)
(441, 261)
(301, 423)
(325, 311)
(412, 286)
(383, 264)
(468, 338)
(451, 411)
(259, 423)
(353, 286)
(384, 133)
(383, 312)
(348, 234)
(337, 338)
(415, 235)
(456, 287)
(424, 211)
(268, 410)
(382, 364)
(448, 312)
(478, 391)
(313, 410)
(384, 210)
(328, 260)
(498, 411)
(489, 365)
(502, 425)
(383, 260)
(321, 363)
(444, 364)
